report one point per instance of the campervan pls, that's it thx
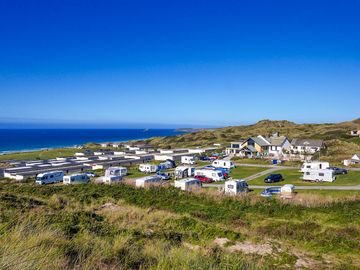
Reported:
(148, 168)
(319, 175)
(220, 163)
(188, 160)
(233, 187)
(147, 181)
(76, 179)
(213, 174)
(188, 184)
(184, 172)
(315, 165)
(114, 174)
(49, 177)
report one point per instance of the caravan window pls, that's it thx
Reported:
(52, 176)
(307, 173)
(321, 174)
(220, 174)
(231, 186)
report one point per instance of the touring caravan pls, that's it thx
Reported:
(76, 179)
(147, 181)
(49, 177)
(114, 174)
(188, 184)
(148, 168)
(213, 174)
(315, 165)
(233, 187)
(319, 175)
(220, 163)
(184, 172)
(188, 160)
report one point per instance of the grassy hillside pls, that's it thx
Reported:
(121, 227)
(340, 144)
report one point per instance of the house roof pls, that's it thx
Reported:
(277, 140)
(260, 141)
(307, 142)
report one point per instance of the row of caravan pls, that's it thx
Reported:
(185, 172)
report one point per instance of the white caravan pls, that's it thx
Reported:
(319, 175)
(188, 184)
(233, 187)
(213, 174)
(114, 174)
(184, 172)
(147, 181)
(315, 165)
(49, 177)
(76, 179)
(188, 160)
(148, 168)
(288, 188)
(220, 163)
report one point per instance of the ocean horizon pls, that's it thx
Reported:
(22, 140)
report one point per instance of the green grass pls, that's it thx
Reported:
(243, 171)
(43, 154)
(292, 176)
(67, 227)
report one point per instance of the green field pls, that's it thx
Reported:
(292, 176)
(244, 171)
(43, 154)
(121, 227)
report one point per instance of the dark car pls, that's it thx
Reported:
(272, 178)
(338, 170)
(203, 179)
(204, 158)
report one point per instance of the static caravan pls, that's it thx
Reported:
(213, 174)
(114, 174)
(220, 163)
(82, 178)
(147, 181)
(188, 160)
(184, 172)
(233, 187)
(315, 165)
(319, 175)
(188, 184)
(49, 177)
(148, 168)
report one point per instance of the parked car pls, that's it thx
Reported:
(204, 158)
(164, 176)
(203, 179)
(272, 178)
(338, 170)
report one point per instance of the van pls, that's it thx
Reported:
(49, 177)
(76, 179)
(213, 174)
(319, 175)
(220, 163)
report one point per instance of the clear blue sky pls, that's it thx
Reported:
(181, 63)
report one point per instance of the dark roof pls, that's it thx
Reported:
(307, 142)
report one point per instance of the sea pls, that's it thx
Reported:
(19, 140)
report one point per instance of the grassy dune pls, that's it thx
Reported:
(121, 227)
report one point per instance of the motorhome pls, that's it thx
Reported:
(148, 168)
(184, 172)
(147, 181)
(114, 174)
(213, 174)
(325, 175)
(220, 163)
(315, 165)
(76, 179)
(233, 187)
(49, 177)
(188, 160)
(188, 184)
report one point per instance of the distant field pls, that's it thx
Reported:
(43, 154)
(292, 176)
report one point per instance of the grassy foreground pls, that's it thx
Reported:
(121, 227)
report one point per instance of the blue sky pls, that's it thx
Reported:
(178, 63)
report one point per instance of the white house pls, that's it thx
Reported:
(234, 148)
(278, 145)
(355, 133)
(306, 146)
